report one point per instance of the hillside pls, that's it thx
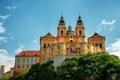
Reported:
(87, 67)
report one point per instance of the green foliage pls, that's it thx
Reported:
(86, 67)
(89, 67)
(39, 72)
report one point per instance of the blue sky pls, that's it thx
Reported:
(22, 22)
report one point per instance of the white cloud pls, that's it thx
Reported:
(3, 17)
(3, 40)
(6, 59)
(2, 29)
(20, 48)
(105, 24)
(35, 41)
(114, 48)
(10, 7)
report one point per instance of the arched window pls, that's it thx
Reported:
(100, 45)
(80, 32)
(61, 32)
(44, 45)
(71, 41)
(48, 44)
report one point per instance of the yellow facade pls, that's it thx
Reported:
(69, 42)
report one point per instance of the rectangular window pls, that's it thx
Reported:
(80, 32)
(61, 32)
(100, 45)
(27, 66)
(88, 47)
(18, 66)
(27, 61)
(58, 47)
(44, 45)
(23, 66)
(52, 49)
(23, 61)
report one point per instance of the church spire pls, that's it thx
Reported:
(79, 19)
(62, 17)
(80, 29)
(61, 21)
(61, 27)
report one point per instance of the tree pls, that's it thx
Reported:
(39, 72)
(89, 67)
(101, 66)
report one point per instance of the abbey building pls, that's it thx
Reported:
(67, 44)
(70, 42)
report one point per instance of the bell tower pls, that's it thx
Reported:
(80, 29)
(61, 29)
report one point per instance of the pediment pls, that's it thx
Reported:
(73, 46)
(96, 35)
(48, 35)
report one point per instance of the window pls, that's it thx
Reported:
(31, 61)
(52, 49)
(80, 32)
(44, 45)
(58, 47)
(27, 61)
(88, 47)
(100, 45)
(96, 44)
(18, 66)
(70, 49)
(48, 44)
(27, 58)
(61, 32)
(17, 61)
(36, 60)
(27, 66)
(71, 41)
(23, 66)
(23, 61)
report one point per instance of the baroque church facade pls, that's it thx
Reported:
(69, 42)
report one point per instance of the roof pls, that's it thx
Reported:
(29, 53)
(96, 35)
(48, 35)
(7, 72)
(12, 68)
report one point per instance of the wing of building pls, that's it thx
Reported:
(25, 59)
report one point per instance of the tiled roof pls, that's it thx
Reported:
(96, 35)
(29, 53)
(12, 68)
(48, 35)
(7, 72)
